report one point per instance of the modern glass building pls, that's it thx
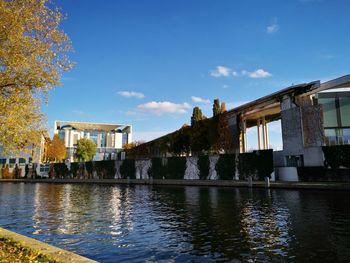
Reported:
(336, 115)
(109, 138)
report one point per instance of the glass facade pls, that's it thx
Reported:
(94, 136)
(103, 137)
(336, 117)
(124, 139)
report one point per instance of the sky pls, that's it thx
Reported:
(149, 62)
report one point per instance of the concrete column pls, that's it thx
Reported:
(66, 138)
(244, 136)
(267, 136)
(263, 133)
(258, 132)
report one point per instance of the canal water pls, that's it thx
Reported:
(112, 223)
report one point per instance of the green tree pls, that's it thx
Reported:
(33, 54)
(197, 115)
(86, 149)
(216, 107)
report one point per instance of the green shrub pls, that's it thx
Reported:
(264, 161)
(336, 156)
(61, 170)
(105, 169)
(157, 170)
(127, 169)
(176, 168)
(203, 166)
(247, 165)
(74, 167)
(225, 166)
(89, 166)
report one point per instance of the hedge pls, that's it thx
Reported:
(176, 168)
(61, 170)
(203, 166)
(105, 169)
(157, 170)
(336, 156)
(127, 169)
(226, 166)
(257, 164)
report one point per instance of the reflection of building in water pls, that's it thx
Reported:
(119, 212)
(265, 229)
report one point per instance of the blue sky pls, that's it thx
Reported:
(149, 62)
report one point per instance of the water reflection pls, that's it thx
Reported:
(142, 223)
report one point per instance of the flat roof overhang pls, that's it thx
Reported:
(93, 126)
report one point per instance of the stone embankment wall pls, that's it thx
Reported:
(258, 164)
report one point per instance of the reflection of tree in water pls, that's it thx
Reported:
(265, 226)
(226, 224)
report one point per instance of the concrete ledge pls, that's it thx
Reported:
(55, 253)
(220, 183)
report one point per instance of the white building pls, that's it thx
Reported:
(109, 138)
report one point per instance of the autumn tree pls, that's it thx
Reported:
(86, 149)
(33, 54)
(216, 107)
(197, 115)
(55, 150)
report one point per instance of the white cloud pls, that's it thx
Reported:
(273, 27)
(225, 86)
(220, 71)
(259, 73)
(200, 100)
(234, 73)
(161, 107)
(130, 94)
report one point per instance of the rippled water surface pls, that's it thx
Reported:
(181, 224)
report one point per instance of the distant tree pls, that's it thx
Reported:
(223, 107)
(55, 149)
(216, 107)
(225, 140)
(86, 149)
(197, 115)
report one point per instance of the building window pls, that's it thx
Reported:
(61, 134)
(124, 139)
(329, 112)
(22, 161)
(94, 136)
(12, 162)
(344, 106)
(294, 160)
(3, 161)
(103, 139)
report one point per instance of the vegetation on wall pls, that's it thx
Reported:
(203, 164)
(257, 164)
(157, 170)
(204, 136)
(225, 166)
(337, 156)
(61, 170)
(176, 167)
(74, 167)
(105, 169)
(127, 169)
